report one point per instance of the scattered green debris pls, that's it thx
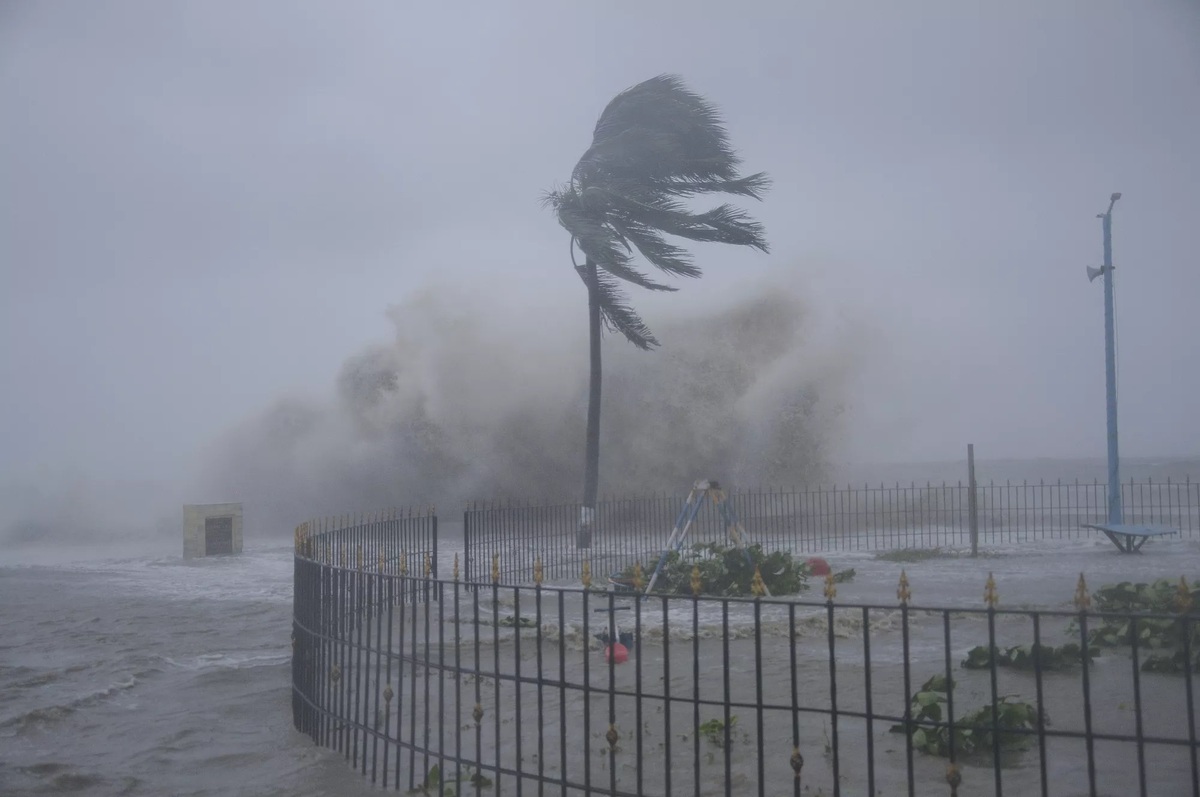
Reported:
(1027, 657)
(714, 730)
(725, 570)
(908, 555)
(973, 731)
(1162, 596)
(1167, 636)
(510, 621)
(433, 783)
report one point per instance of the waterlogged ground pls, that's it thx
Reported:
(546, 665)
(148, 675)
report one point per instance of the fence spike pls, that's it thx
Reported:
(696, 583)
(903, 592)
(757, 587)
(1083, 601)
(954, 778)
(428, 565)
(1183, 596)
(989, 592)
(403, 562)
(495, 568)
(830, 587)
(537, 571)
(637, 577)
(586, 575)
(455, 571)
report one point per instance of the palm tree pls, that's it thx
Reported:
(656, 145)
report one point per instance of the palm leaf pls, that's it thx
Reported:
(654, 145)
(616, 313)
(600, 242)
(651, 244)
(660, 129)
(753, 186)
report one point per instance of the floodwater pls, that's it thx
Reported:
(543, 665)
(149, 675)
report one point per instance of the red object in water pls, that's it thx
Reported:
(616, 653)
(818, 566)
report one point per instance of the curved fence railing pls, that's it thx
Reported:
(348, 571)
(815, 520)
(430, 685)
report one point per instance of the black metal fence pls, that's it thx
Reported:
(336, 587)
(814, 520)
(498, 689)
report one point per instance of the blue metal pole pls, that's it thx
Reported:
(1115, 513)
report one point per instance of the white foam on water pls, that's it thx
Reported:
(257, 574)
(231, 660)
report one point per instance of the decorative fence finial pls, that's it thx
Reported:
(455, 571)
(335, 673)
(403, 562)
(830, 587)
(495, 568)
(637, 577)
(1183, 596)
(586, 575)
(797, 762)
(1083, 601)
(360, 557)
(989, 592)
(612, 736)
(954, 778)
(537, 571)
(903, 592)
(428, 565)
(382, 561)
(696, 583)
(477, 713)
(757, 587)
(388, 694)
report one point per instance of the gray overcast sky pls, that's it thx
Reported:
(208, 205)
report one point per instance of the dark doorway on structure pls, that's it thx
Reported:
(218, 535)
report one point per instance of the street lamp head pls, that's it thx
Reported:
(1115, 196)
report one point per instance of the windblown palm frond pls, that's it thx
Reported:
(616, 312)
(655, 144)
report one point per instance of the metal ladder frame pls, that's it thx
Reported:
(701, 491)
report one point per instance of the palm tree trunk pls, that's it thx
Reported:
(591, 473)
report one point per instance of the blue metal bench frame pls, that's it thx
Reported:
(1130, 537)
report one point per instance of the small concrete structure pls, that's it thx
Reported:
(211, 529)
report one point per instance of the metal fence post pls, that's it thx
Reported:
(972, 500)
